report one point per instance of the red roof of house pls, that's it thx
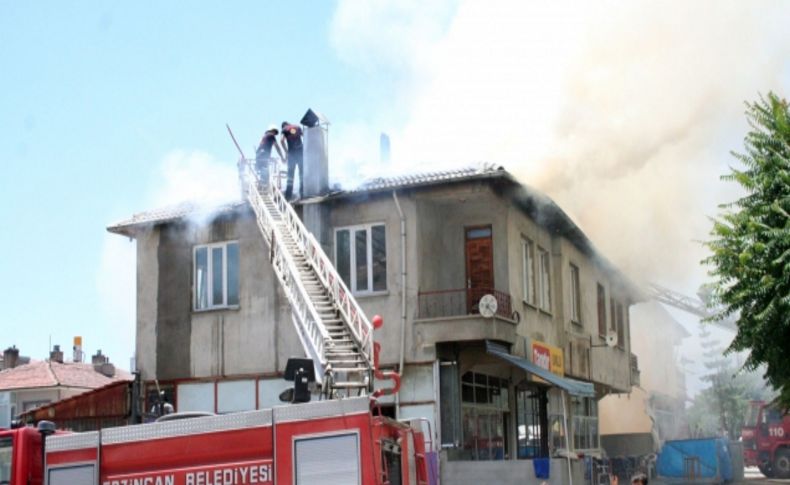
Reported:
(40, 374)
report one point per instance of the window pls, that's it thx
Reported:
(613, 313)
(585, 423)
(620, 326)
(449, 404)
(601, 310)
(361, 257)
(556, 420)
(532, 423)
(576, 311)
(216, 275)
(528, 270)
(484, 405)
(544, 280)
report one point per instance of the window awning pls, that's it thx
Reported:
(574, 387)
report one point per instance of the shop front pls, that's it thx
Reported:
(503, 408)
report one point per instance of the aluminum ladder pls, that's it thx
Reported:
(332, 328)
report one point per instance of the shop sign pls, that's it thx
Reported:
(549, 357)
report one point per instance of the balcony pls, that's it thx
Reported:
(454, 315)
(460, 302)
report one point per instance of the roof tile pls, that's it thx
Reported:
(51, 374)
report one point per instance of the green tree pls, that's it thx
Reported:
(750, 245)
(720, 409)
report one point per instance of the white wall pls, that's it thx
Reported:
(235, 396)
(195, 397)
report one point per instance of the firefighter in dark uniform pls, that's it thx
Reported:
(292, 138)
(264, 153)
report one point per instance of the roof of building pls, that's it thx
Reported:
(533, 202)
(429, 178)
(43, 374)
(171, 213)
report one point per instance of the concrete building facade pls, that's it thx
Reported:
(654, 411)
(214, 329)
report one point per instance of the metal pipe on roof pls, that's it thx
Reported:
(403, 296)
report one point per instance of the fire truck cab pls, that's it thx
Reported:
(766, 440)
(20, 457)
(333, 442)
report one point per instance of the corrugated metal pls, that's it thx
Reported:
(101, 408)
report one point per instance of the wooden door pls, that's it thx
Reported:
(479, 265)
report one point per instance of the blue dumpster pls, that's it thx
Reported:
(695, 461)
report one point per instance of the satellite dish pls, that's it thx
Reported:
(487, 306)
(611, 338)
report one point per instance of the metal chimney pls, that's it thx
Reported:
(316, 155)
(384, 148)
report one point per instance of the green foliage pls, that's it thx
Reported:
(750, 245)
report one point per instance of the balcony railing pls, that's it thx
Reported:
(460, 302)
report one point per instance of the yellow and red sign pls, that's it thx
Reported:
(549, 357)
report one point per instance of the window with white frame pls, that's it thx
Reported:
(544, 280)
(361, 257)
(216, 273)
(576, 312)
(585, 423)
(528, 270)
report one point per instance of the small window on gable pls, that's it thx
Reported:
(216, 275)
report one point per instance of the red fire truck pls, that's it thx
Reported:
(338, 441)
(766, 440)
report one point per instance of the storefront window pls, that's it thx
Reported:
(532, 423)
(484, 406)
(556, 421)
(585, 423)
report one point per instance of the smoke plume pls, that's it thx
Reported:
(622, 113)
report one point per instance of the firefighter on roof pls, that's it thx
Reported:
(264, 153)
(292, 138)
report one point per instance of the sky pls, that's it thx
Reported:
(624, 113)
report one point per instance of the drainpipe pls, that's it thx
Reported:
(563, 395)
(403, 295)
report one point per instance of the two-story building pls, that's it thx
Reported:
(500, 385)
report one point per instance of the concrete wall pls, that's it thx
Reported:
(147, 297)
(176, 342)
(444, 214)
(508, 472)
(381, 209)
(655, 337)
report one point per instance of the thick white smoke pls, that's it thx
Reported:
(623, 113)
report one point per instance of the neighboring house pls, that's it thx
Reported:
(214, 327)
(655, 410)
(27, 386)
